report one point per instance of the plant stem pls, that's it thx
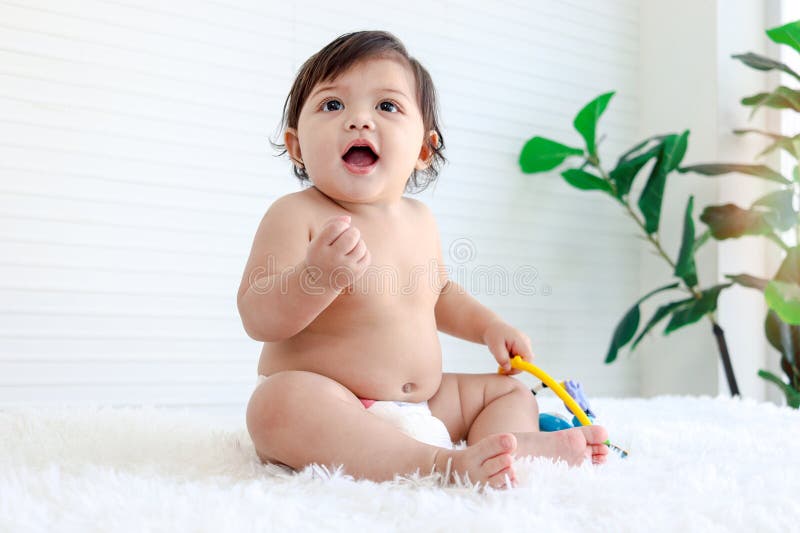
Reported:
(777, 240)
(725, 356)
(719, 333)
(650, 237)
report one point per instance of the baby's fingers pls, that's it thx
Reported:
(347, 241)
(500, 353)
(333, 228)
(359, 250)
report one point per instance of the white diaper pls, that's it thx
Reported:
(413, 419)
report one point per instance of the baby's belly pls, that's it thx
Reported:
(399, 361)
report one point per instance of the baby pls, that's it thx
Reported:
(361, 125)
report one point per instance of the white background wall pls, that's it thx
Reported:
(134, 168)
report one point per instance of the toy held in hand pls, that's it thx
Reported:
(575, 400)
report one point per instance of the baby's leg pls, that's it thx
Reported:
(473, 406)
(299, 418)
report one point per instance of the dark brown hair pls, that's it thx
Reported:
(342, 53)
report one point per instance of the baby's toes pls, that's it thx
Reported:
(501, 480)
(595, 434)
(498, 465)
(572, 446)
(599, 453)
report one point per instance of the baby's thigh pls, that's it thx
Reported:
(462, 397)
(288, 403)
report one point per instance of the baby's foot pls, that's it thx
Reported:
(487, 462)
(570, 445)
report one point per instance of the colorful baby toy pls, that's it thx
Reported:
(573, 397)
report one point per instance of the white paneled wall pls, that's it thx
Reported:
(135, 167)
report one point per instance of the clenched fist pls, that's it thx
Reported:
(337, 256)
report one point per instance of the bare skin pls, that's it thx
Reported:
(397, 357)
(371, 332)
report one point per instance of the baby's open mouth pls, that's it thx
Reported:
(360, 156)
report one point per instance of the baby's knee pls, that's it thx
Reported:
(511, 385)
(270, 409)
(270, 401)
(275, 395)
(283, 396)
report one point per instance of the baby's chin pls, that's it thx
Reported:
(359, 193)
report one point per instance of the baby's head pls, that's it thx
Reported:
(363, 85)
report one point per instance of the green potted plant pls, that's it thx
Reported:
(774, 216)
(540, 154)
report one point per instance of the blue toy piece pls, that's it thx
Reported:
(557, 422)
(553, 422)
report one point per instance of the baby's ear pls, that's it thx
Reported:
(292, 143)
(426, 152)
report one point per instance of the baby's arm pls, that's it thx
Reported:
(287, 282)
(461, 315)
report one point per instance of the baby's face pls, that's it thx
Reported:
(373, 103)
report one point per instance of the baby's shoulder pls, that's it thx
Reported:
(420, 211)
(288, 217)
(293, 206)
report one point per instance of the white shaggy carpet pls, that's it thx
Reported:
(696, 464)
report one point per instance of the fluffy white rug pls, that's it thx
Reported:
(696, 464)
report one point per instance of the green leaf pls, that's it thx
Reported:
(624, 332)
(784, 299)
(585, 181)
(691, 313)
(780, 98)
(729, 221)
(627, 169)
(782, 215)
(586, 120)
(715, 169)
(628, 155)
(785, 339)
(760, 62)
(702, 239)
(746, 280)
(790, 144)
(774, 136)
(660, 314)
(789, 271)
(626, 328)
(672, 151)
(788, 34)
(540, 154)
(685, 267)
(796, 174)
(792, 396)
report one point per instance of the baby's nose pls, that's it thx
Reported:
(358, 121)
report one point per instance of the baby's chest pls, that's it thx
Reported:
(403, 267)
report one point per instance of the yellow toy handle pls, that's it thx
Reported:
(520, 364)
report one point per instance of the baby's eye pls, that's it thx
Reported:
(332, 105)
(388, 106)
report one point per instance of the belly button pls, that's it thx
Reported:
(409, 387)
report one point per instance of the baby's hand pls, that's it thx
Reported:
(505, 341)
(338, 254)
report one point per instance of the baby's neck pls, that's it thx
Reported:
(376, 209)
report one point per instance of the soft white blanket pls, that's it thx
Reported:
(696, 464)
